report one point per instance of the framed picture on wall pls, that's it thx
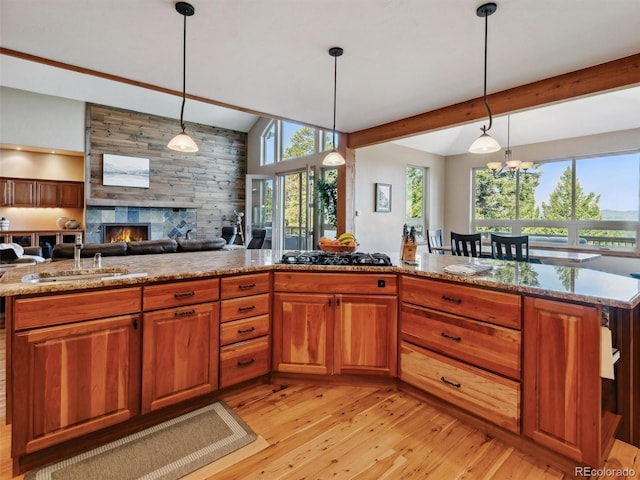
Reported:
(123, 171)
(383, 197)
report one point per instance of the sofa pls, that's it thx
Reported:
(64, 251)
(16, 253)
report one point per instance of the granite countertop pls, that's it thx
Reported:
(559, 282)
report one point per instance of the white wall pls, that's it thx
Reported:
(387, 163)
(41, 121)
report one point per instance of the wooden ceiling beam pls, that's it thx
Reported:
(599, 78)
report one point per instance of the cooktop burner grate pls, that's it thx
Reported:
(326, 258)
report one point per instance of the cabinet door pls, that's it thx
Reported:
(561, 378)
(5, 197)
(179, 354)
(46, 194)
(71, 194)
(366, 338)
(22, 193)
(303, 333)
(75, 379)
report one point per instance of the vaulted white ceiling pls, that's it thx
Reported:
(402, 57)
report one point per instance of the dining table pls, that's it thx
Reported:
(545, 256)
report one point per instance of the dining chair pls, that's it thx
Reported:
(510, 248)
(434, 239)
(466, 244)
(257, 238)
(229, 234)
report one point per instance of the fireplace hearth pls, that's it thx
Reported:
(125, 232)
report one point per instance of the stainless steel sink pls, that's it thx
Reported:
(74, 275)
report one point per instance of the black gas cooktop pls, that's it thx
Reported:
(316, 257)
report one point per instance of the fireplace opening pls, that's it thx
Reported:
(125, 232)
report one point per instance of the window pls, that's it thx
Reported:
(283, 140)
(415, 204)
(589, 201)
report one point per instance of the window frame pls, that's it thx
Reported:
(321, 144)
(421, 221)
(572, 225)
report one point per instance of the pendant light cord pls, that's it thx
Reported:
(335, 83)
(486, 104)
(184, 71)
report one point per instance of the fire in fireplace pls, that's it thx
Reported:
(125, 232)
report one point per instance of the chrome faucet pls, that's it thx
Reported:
(76, 251)
(97, 260)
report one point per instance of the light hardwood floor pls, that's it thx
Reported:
(355, 432)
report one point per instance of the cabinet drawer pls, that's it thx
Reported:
(488, 396)
(243, 361)
(243, 285)
(487, 305)
(239, 330)
(237, 308)
(180, 293)
(369, 283)
(487, 346)
(73, 307)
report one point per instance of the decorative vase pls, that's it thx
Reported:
(71, 224)
(4, 224)
(61, 222)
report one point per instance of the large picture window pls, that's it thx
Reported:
(590, 202)
(283, 140)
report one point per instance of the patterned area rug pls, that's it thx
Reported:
(166, 451)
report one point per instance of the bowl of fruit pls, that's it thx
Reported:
(344, 243)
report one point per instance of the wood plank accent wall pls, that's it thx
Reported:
(211, 180)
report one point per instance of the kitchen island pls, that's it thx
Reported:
(545, 322)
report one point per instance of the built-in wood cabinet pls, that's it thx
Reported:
(18, 192)
(463, 345)
(180, 342)
(75, 365)
(350, 329)
(245, 327)
(561, 382)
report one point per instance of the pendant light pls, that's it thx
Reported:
(485, 143)
(183, 142)
(333, 158)
(512, 166)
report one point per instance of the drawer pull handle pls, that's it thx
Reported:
(246, 286)
(184, 313)
(451, 299)
(184, 294)
(450, 337)
(246, 330)
(457, 385)
(246, 309)
(246, 363)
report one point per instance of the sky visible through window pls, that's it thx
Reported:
(616, 178)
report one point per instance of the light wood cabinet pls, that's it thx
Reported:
(180, 354)
(303, 333)
(463, 344)
(366, 334)
(351, 329)
(561, 381)
(245, 327)
(180, 342)
(74, 379)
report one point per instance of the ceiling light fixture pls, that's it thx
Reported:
(512, 166)
(183, 142)
(485, 143)
(333, 159)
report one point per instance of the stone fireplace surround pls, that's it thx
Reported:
(163, 222)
